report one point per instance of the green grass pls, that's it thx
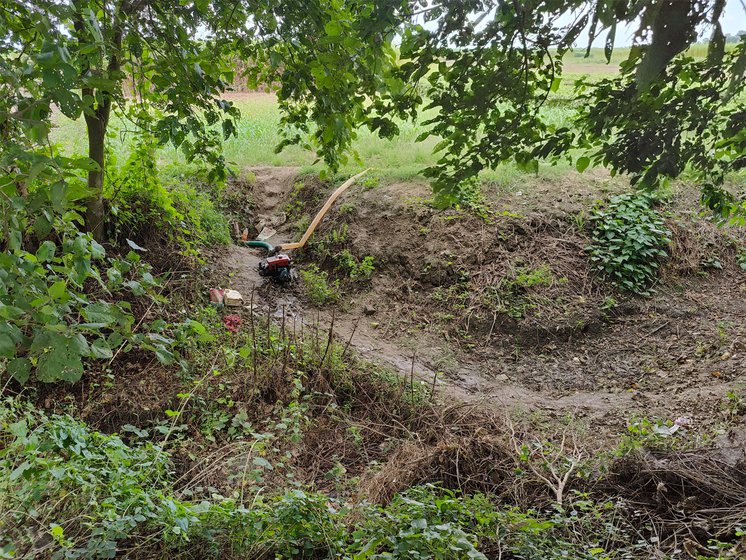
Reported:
(597, 56)
(398, 159)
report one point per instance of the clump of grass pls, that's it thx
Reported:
(357, 270)
(318, 287)
(513, 295)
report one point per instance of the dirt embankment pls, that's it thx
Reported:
(506, 310)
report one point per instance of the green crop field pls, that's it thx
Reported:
(400, 158)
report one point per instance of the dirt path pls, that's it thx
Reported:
(639, 365)
(470, 383)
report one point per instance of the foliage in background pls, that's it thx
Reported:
(628, 239)
(79, 57)
(486, 85)
(335, 64)
(146, 204)
(690, 120)
(164, 68)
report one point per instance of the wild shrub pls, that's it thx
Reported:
(66, 491)
(355, 269)
(139, 203)
(296, 206)
(628, 239)
(51, 317)
(424, 522)
(146, 203)
(318, 287)
(304, 525)
(204, 223)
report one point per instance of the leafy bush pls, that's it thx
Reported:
(627, 241)
(62, 300)
(81, 491)
(470, 197)
(143, 206)
(204, 223)
(51, 319)
(424, 522)
(69, 492)
(318, 288)
(356, 270)
(304, 525)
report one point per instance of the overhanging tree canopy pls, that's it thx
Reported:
(485, 67)
(165, 65)
(490, 66)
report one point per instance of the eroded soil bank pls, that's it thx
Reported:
(566, 343)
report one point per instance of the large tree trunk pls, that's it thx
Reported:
(673, 31)
(94, 215)
(97, 121)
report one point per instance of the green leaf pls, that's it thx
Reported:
(57, 531)
(18, 429)
(97, 250)
(262, 462)
(7, 346)
(609, 45)
(68, 102)
(136, 287)
(59, 357)
(46, 251)
(20, 369)
(420, 523)
(135, 246)
(164, 355)
(10, 312)
(582, 163)
(57, 290)
(100, 349)
(19, 471)
(57, 196)
(99, 313)
(333, 28)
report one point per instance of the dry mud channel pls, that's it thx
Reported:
(678, 354)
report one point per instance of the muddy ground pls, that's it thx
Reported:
(576, 348)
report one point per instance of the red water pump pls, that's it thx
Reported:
(276, 268)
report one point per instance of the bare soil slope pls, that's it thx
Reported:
(566, 344)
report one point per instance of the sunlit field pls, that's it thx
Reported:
(259, 132)
(401, 158)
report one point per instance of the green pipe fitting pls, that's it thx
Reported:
(256, 243)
